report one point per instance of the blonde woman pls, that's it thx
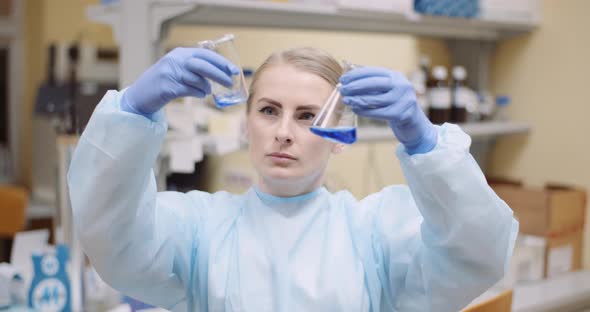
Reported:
(287, 244)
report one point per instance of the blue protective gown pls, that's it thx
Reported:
(432, 246)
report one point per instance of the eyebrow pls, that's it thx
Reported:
(278, 104)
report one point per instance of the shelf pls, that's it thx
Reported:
(567, 292)
(37, 210)
(331, 17)
(140, 27)
(475, 130)
(320, 16)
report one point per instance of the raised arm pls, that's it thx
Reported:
(448, 237)
(135, 238)
(140, 241)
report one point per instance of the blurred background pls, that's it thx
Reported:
(512, 74)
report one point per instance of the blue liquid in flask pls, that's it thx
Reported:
(229, 99)
(345, 135)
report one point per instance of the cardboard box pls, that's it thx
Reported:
(557, 214)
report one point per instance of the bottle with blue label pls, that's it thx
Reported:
(502, 102)
(50, 286)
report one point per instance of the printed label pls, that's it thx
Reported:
(462, 97)
(439, 98)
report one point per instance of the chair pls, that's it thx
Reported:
(499, 303)
(13, 206)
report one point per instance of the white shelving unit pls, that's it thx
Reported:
(313, 16)
(140, 25)
(333, 17)
(476, 130)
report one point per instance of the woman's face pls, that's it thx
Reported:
(282, 147)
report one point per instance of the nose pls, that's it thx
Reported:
(284, 133)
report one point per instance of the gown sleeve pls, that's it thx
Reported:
(445, 238)
(140, 241)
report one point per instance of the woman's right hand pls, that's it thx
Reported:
(181, 72)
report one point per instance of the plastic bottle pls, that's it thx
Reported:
(439, 97)
(502, 102)
(458, 101)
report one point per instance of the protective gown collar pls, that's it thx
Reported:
(265, 197)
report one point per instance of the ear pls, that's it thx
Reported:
(338, 148)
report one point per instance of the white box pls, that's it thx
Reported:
(527, 262)
(402, 7)
(526, 11)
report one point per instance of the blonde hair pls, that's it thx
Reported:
(310, 60)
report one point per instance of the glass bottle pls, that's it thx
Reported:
(458, 90)
(439, 97)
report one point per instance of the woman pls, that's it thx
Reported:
(287, 244)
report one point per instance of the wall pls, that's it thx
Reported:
(546, 74)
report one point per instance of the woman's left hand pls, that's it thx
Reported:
(380, 93)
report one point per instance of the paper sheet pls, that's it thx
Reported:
(24, 244)
(559, 260)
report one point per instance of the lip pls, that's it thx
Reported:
(282, 156)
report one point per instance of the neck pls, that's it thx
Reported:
(290, 188)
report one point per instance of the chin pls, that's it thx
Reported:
(282, 174)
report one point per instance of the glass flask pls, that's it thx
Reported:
(336, 122)
(238, 92)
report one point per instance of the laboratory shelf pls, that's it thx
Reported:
(332, 17)
(324, 16)
(140, 26)
(476, 130)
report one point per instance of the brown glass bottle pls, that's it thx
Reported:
(425, 69)
(458, 104)
(439, 97)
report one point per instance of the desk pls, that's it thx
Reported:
(569, 292)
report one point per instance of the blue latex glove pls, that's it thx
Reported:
(181, 72)
(380, 93)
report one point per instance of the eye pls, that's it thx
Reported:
(307, 116)
(268, 110)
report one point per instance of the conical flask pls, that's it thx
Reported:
(336, 122)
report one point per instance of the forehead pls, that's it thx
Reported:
(291, 86)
